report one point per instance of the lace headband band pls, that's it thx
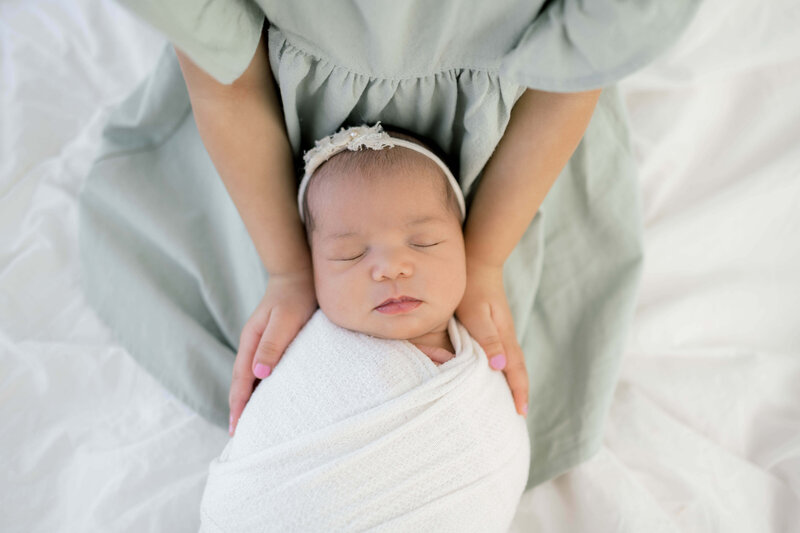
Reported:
(374, 138)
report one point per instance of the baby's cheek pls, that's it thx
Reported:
(454, 286)
(336, 295)
(324, 288)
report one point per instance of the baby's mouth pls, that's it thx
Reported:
(402, 304)
(399, 299)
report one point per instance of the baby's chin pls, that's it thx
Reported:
(394, 327)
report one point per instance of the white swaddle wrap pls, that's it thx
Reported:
(351, 432)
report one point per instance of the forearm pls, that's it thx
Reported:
(543, 132)
(241, 126)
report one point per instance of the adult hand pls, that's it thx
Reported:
(485, 313)
(288, 303)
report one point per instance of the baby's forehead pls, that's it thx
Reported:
(415, 192)
(367, 211)
(380, 171)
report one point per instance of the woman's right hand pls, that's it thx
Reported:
(288, 303)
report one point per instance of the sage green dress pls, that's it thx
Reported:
(169, 266)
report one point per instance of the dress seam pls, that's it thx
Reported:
(319, 56)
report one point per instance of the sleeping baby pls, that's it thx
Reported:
(383, 413)
(384, 228)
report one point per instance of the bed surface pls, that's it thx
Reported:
(704, 430)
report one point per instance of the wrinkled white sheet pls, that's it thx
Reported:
(704, 431)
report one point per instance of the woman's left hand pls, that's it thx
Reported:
(485, 313)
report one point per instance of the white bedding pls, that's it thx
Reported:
(704, 430)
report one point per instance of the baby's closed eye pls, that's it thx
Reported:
(352, 255)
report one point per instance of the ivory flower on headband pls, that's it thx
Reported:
(373, 138)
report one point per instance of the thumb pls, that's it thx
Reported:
(277, 335)
(482, 327)
(242, 380)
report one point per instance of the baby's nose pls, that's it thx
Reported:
(391, 264)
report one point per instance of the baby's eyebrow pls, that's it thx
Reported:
(413, 222)
(341, 235)
(423, 220)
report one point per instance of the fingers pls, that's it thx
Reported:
(517, 376)
(515, 371)
(494, 331)
(237, 400)
(243, 379)
(483, 329)
(259, 352)
(280, 331)
(286, 306)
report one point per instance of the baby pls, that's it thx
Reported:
(383, 413)
(384, 227)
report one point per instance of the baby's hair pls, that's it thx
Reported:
(377, 161)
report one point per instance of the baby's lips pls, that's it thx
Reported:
(397, 299)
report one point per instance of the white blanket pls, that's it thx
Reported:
(355, 432)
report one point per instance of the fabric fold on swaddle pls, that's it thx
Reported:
(352, 432)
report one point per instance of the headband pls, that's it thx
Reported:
(374, 138)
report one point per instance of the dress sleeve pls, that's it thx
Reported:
(220, 36)
(578, 45)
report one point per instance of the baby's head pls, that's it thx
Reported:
(384, 225)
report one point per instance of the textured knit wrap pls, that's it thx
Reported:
(352, 432)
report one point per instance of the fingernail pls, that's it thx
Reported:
(230, 425)
(498, 362)
(525, 409)
(262, 371)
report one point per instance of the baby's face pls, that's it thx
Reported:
(388, 254)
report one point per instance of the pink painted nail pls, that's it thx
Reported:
(525, 409)
(230, 425)
(262, 371)
(498, 362)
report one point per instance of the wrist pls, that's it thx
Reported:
(484, 257)
(483, 248)
(483, 268)
(286, 253)
(296, 273)
(297, 286)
